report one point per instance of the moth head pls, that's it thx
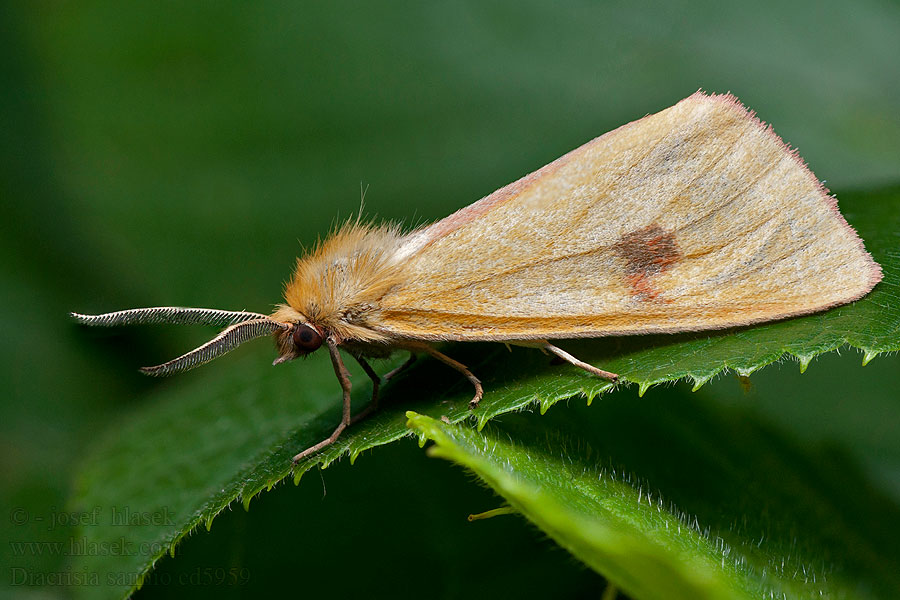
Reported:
(240, 327)
(298, 339)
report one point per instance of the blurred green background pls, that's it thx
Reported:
(174, 153)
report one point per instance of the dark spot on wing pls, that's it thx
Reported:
(647, 252)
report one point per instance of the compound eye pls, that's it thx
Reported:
(306, 338)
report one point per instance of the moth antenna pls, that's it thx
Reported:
(229, 339)
(168, 314)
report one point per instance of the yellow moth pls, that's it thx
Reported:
(697, 217)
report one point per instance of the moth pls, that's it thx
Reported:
(695, 218)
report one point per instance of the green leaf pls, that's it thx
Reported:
(640, 543)
(223, 434)
(732, 509)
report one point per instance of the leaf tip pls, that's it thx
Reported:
(699, 381)
(868, 356)
(804, 359)
(543, 403)
(297, 471)
(488, 514)
(482, 421)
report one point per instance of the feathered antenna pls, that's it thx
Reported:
(174, 315)
(242, 326)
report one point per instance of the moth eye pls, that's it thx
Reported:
(306, 339)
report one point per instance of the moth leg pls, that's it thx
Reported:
(401, 368)
(376, 384)
(545, 345)
(344, 378)
(479, 391)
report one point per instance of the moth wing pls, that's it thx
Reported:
(697, 217)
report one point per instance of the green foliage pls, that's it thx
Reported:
(760, 528)
(201, 445)
(172, 153)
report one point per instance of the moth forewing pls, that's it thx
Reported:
(697, 217)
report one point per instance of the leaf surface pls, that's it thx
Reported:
(225, 433)
(733, 509)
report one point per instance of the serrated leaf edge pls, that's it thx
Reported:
(206, 515)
